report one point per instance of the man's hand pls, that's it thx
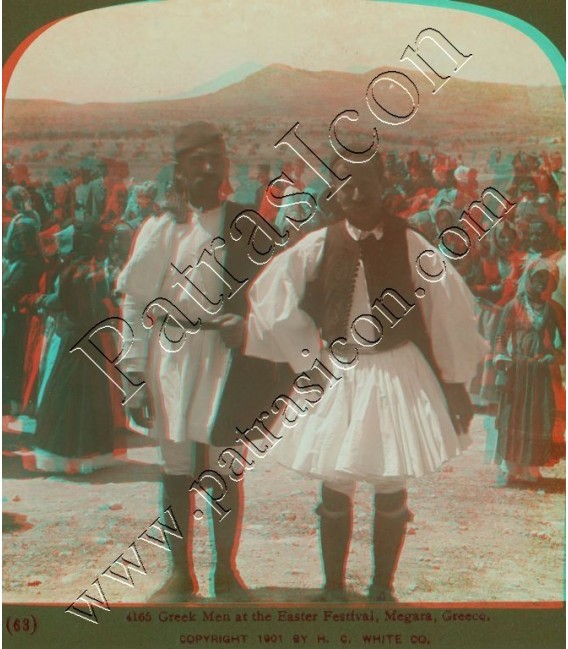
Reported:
(459, 406)
(232, 329)
(138, 407)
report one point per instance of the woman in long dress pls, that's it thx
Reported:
(529, 344)
(80, 413)
(24, 268)
(494, 286)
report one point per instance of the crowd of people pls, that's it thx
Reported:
(66, 241)
(98, 245)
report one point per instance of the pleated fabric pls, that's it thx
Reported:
(386, 417)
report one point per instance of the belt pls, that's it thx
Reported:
(379, 349)
(368, 351)
(187, 325)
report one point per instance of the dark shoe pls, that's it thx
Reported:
(177, 589)
(229, 586)
(330, 596)
(381, 595)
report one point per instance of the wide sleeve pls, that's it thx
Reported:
(504, 333)
(481, 283)
(559, 292)
(557, 332)
(140, 282)
(449, 314)
(21, 279)
(14, 284)
(278, 329)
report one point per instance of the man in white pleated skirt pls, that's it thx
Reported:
(201, 384)
(383, 346)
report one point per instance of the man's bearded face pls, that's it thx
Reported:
(202, 171)
(360, 199)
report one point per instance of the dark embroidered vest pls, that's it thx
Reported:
(328, 298)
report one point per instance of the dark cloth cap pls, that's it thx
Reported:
(195, 134)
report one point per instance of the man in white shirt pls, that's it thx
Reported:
(203, 386)
(400, 341)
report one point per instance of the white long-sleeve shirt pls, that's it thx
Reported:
(279, 330)
(186, 385)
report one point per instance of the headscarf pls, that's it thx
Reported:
(22, 203)
(444, 207)
(134, 213)
(495, 249)
(22, 239)
(20, 198)
(530, 271)
(461, 174)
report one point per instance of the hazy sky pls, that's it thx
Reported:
(162, 49)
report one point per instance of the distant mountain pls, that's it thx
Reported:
(279, 89)
(279, 94)
(228, 78)
(359, 69)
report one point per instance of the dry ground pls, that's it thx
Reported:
(469, 542)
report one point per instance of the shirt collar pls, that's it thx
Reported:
(184, 207)
(198, 215)
(358, 235)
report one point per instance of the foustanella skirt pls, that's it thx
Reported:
(386, 417)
